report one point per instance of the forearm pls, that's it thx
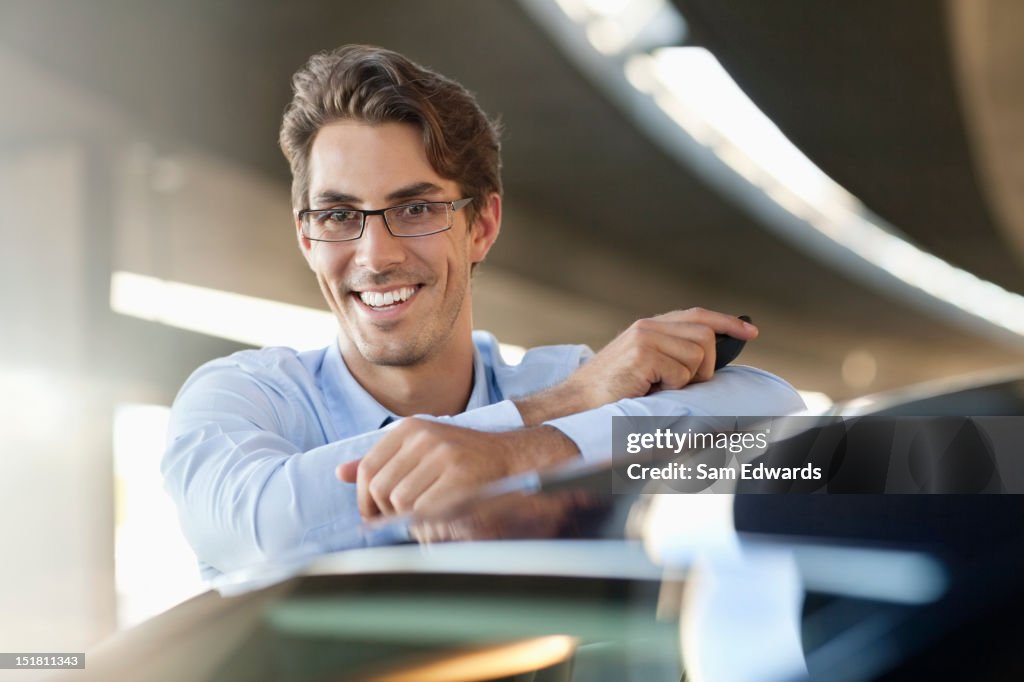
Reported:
(539, 447)
(735, 391)
(552, 403)
(529, 443)
(247, 495)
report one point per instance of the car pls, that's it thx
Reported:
(636, 585)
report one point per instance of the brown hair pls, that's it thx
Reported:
(371, 84)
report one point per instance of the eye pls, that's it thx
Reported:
(342, 216)
(417, 211)
(336, 217)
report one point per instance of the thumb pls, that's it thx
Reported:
(347, 471)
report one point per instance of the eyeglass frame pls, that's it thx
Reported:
(382, 212)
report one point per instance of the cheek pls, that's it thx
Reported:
(438, 258)
(325, 262)
(458, 254)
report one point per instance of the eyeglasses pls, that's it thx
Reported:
(407, 220)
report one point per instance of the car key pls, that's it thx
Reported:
(727, 348)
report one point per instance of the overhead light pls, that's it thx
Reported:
(614, 27)
(607, 36)
(610, 8)
(685, 99)
(574, 9)
(696, 80)
(224, 314)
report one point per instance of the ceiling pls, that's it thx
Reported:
(600, 223)
(871, 94)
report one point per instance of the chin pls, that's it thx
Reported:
(395, 360)
(391, 357)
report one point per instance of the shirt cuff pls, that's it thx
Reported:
(591, 431)
(502, 416)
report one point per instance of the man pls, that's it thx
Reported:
(397, 197)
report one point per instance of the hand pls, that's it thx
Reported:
(669, 351)
(508, 517)
(421, 465)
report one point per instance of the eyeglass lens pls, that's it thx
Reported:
(403, 221)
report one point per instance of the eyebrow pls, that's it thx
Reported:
(408, 192)
(414, 190)
(330, 197)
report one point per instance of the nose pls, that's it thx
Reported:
(378, 250)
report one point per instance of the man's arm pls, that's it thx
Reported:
(424, 464)
(252, 474)
(661, 354)
(665, 352)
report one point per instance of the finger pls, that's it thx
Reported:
(407, 491)
(529, 518)
(706, 369)
(427, 532)
(701, 365)
(458, 530)
(668, 373)
(677, 353)
(381, 485)
(445, 491)
(367, 469)
(375, 459)
(721, 323)
(347, 472)
(364, 501)
(476, 527)
(708, 340)
(703, 338)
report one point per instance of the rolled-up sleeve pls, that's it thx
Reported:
(252, 473)
(734, 391)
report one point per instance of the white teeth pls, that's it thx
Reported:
(376, 299)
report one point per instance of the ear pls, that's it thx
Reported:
(486, 227)
(305, 246)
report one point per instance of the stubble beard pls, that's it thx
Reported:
(417, 346)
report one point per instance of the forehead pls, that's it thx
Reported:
(369, 161)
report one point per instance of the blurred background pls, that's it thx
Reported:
(851, 175)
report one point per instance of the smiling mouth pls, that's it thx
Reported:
(385, 300)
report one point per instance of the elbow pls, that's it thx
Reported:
(227, 514)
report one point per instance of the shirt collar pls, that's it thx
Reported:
(355, 411)
(480, 396)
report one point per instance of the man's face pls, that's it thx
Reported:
(399, 301)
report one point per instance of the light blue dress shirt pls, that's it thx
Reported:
(255, 438)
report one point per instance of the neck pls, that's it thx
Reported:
(440, 385)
